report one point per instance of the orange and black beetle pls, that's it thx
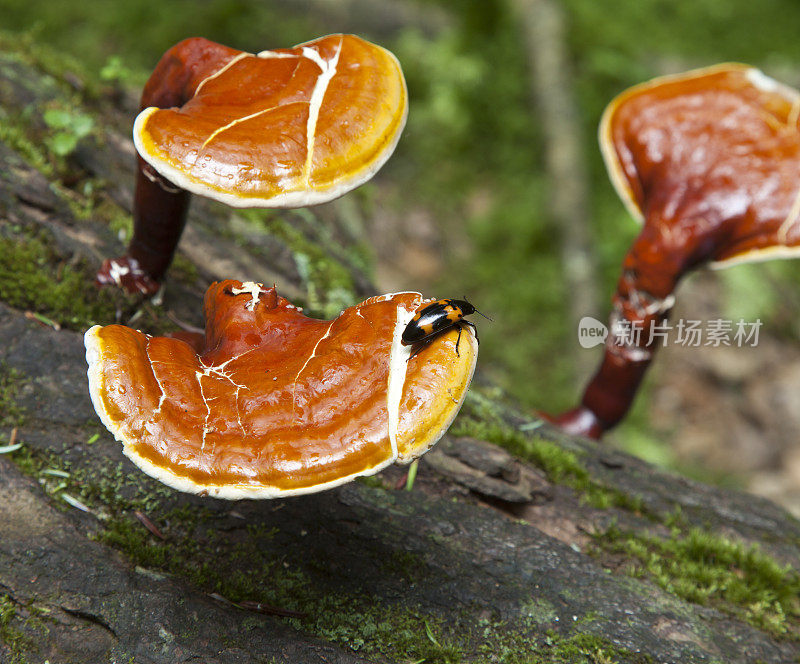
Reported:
(435, 317)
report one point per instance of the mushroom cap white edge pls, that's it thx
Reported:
(226, 491)
(615, 171)
(291, 199)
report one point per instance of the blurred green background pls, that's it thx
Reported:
(473, 154)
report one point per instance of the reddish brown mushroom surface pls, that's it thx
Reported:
(283, 128)
(709, 161)
(273, 403)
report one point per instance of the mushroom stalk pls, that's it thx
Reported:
(160, 207)
(159, 214)
(641, 304)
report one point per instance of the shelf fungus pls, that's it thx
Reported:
(283, 128)
(709, 162)
(271, 403)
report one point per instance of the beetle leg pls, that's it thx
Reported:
(417, 348)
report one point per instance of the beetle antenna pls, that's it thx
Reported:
(476, 311)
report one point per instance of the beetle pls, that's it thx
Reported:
(438, 316)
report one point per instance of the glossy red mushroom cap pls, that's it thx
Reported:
(715, 148)
(273, 403)
(283, 128)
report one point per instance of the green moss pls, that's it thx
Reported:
(485, 404)
(484, 416)
(357, 622)
(329, 284)
(11, 381)
(373, 481)
(192, 553)
(15, 132)
(7, 611)
(405, 635)
(360, 622)
(184, 270)
(512, 646)
(238, 566)
(31, 461)
(559, 465)
(57, 65)
(18, 625)
(588, 649)
(712, 570)
(404, 564)
(34, 278)
(539, 610)
(87, 202)
(109, 488)
(47, 131)
(10, 635)
(50, 470)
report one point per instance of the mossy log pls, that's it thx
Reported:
(516, 544)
